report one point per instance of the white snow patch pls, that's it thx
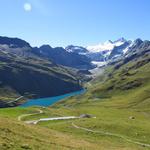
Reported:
(108, 45)
(126, 49)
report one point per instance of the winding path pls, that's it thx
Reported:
(44, 119)
(111, 134)
(25, 115)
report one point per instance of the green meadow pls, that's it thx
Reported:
(117, 101)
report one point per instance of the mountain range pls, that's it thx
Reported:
(82, 58)
(103, 52)
(45, 71)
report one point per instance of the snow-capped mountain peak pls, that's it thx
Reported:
(103, 52)
(100, 47)
(106, 46)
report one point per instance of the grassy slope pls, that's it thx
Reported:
(56, 134)
(112, 98)
(15, 135)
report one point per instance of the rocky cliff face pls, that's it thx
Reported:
(60, 56)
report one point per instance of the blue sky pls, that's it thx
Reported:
(78, 22)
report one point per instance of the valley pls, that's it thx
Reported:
(116, 104)
(75, 75)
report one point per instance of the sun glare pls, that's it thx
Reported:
(27, 7)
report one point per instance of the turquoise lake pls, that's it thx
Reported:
(45, 102)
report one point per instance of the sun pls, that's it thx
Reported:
(27, 7)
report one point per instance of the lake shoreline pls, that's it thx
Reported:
(48, 101)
